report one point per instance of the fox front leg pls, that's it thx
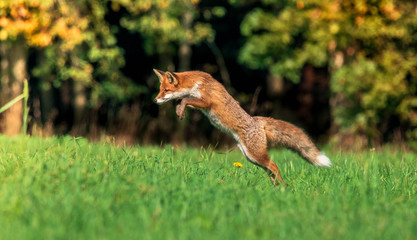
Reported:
(180, 110)
(193, 102)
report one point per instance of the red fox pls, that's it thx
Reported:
(253, 134)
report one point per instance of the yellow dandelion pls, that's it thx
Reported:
(237, 164)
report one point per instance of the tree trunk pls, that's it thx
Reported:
(79, 104)
(13, 66)
(184, 52)
(4, 73)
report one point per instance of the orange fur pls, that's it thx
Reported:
(253, 134)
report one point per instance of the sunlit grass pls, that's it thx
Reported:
(66, 188)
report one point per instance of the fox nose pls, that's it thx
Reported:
(155, 100)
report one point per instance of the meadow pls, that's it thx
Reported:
(68, 188)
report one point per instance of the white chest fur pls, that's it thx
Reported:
(194, 92)
(215, 120)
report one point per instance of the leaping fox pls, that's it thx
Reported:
(252, 134)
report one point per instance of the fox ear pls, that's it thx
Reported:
(172, 78)
(159, 73)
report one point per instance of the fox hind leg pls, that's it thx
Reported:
(272, 169)
(274, 173)
(261, 159)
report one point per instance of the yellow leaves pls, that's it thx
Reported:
(20, 11)
(60, 27)
(300, 4)
(89, 69)
(359, 20)
(164, 4)
(72, 38)
(14, 28)
(3, 35)
(334, 7)
(71, 35)
(361, 7)
(4, 22)
(138, 6)
(20, 20)
(34, 4)
(16, 20)
(334, 28)
(41, 39)
(315, 14)
(42, 21)
(388, 8)
(201, 31)
(64, 9)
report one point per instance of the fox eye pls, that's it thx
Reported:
(167, 90)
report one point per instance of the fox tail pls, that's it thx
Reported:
(285, 134)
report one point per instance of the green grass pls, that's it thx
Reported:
(66, 188)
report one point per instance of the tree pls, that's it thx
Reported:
(27, 24)
(91, 70)
(76, 50)
(367, 47)
(169, 28)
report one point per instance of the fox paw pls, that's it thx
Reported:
(180, 111)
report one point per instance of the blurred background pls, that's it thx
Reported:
(345, 71)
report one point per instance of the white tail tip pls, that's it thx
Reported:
(323, 161)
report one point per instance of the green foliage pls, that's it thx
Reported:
(371, 93)
(161, 23)
(368, 47)
(282, 41)
(119, 92)
(96, 61)
(69, 188)
(74, 40)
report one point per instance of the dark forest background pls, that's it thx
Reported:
(345, 71)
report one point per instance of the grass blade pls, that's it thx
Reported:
(25, 107)
(25, 97)
(11, 103)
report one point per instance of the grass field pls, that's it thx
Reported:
(66, 188)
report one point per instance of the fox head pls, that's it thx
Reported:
(174, 86)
